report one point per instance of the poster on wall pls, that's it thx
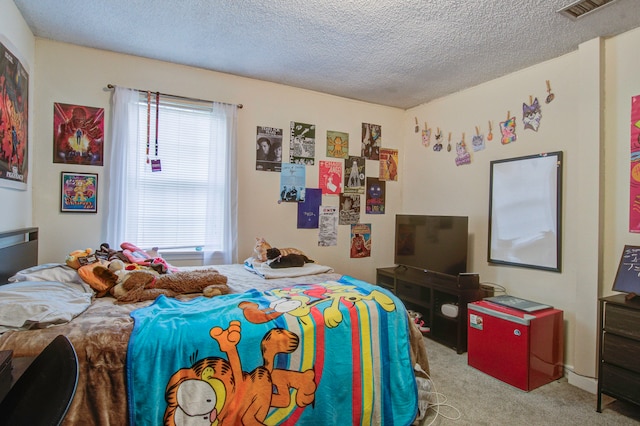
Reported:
(349, 209)
(79, 192)
(78, 134)
(360, 240)
(388, 164)
(302, 149)
(376, 189)
(371, 141)
(354, 171)
(337, 144)
(634, 193)
(330, 177)
(268, 149)
(328, 232)
(308, 210)
(292, 182)
(14, 119)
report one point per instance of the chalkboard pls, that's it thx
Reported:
(628, 275)
(525, 202)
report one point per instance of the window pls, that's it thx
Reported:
(187, 202)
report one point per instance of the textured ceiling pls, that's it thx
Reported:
(398, 53)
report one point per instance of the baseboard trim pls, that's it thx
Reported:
(588, 384)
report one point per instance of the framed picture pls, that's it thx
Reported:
(525, 214)
(79, 192)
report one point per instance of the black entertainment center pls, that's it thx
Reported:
(431, 272)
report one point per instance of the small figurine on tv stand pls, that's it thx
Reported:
(630, 296)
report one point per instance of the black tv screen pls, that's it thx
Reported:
(432, 243)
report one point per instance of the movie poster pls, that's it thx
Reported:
(376, 189)
(371, 141)
(388, 164)
(292, 182)
(354, 171)
(328, 233)
(303, 143)
(634, 202)
(78, 134)
(268, 149)
(360, 240)
(349, 209)
(337, 144)
(14, 120)
(330, 177)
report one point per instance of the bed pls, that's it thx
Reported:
(241, 342)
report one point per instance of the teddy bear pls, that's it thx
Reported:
(141, 285)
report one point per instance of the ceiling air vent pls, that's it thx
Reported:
(581, 8)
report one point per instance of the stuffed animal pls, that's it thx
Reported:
(261, 247)
(142, 285)
(141, 257)
(99, 277)
(77, 258)
(277, 260)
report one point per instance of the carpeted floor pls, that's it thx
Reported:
(470, 397)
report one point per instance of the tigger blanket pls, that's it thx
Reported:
(316, 354)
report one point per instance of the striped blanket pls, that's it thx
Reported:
(316, 354)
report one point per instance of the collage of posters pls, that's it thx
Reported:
(345, 177)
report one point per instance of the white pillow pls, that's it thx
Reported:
(48, 272)
(39, 304)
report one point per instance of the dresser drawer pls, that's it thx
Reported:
(621, 351)
(622, 321)
(620, 383)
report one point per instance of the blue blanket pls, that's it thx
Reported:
(317, 354)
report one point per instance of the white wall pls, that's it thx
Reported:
(589, 121)
(15, 34)
(76, 75)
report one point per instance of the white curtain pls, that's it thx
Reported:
(124, 131)
(222, 173)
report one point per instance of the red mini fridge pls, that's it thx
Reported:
(522, 348)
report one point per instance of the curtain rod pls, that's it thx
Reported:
(112, 86)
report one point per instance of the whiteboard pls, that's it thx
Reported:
(525, 211)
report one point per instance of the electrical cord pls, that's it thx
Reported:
(435, 407)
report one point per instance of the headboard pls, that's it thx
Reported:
(18, 250)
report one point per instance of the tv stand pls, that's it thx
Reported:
(426, 291)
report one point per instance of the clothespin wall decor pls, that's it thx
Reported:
(437, 146)
(477, 141)
(462, 155)
(531, 114)
(426, 135)
(508, 129)
(550, 96)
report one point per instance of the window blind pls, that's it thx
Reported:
(174, 207)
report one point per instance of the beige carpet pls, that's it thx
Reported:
(470, 397)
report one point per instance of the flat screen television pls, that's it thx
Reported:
(432, 243)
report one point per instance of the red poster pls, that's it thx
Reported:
(330, 177)
(634, 193)
(78, 133)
